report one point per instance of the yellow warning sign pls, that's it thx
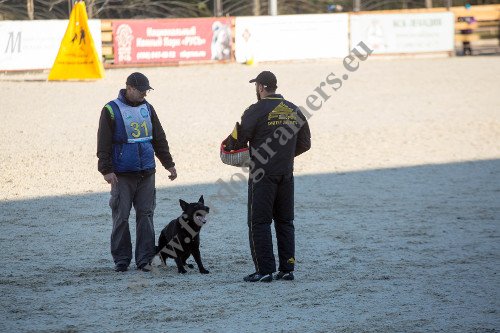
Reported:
(77, 58)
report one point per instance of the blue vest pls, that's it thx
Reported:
(132, 148)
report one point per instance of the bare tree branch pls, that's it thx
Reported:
(123, 9)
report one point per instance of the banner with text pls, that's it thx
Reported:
(171, 40)
(404, 33)
(288, 37)
(29, 45)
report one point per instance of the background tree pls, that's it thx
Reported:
(115, 9)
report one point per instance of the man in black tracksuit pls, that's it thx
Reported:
(277, 132)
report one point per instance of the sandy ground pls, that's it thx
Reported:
(397, 204)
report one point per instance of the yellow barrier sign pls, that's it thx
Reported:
(77, 58)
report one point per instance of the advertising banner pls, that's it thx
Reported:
(404, 33)
(30, 45)
(288, 37)
(171, 40)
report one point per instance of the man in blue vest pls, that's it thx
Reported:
(129, 136)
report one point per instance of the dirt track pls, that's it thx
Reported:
(397, 204)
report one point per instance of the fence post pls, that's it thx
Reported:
(273, 7)
(70, 7)
(90, 8)
(356, 5)
(218, 8)
(30, 6)
(256, 7)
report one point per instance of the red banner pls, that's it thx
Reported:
(171, 40)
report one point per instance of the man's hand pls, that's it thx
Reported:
(111, 178)
(173, 173)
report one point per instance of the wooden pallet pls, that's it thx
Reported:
(107, 41)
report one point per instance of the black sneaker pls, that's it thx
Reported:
(121, 268)
(256, 277)
(287, 276)
(145, 267)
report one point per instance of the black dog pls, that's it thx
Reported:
(181, 237)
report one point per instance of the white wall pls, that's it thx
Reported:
(288, 37)
(404, 33)
(28, 45)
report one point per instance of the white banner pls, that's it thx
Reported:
(28, 45)
(287, 37)
(404, 33)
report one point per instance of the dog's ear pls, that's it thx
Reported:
(200, 200)
(184, 205)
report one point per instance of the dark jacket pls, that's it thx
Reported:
(105, 142)
(277, 132)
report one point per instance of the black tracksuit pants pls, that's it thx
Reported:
(271, 198)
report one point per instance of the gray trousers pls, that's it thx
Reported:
(139, 191)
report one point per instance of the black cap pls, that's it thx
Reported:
(267, 79)
(138, 81)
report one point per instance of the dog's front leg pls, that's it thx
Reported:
(180, 266)
(197, 257)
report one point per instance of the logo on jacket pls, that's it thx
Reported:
(282, 115)
(144, 113)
